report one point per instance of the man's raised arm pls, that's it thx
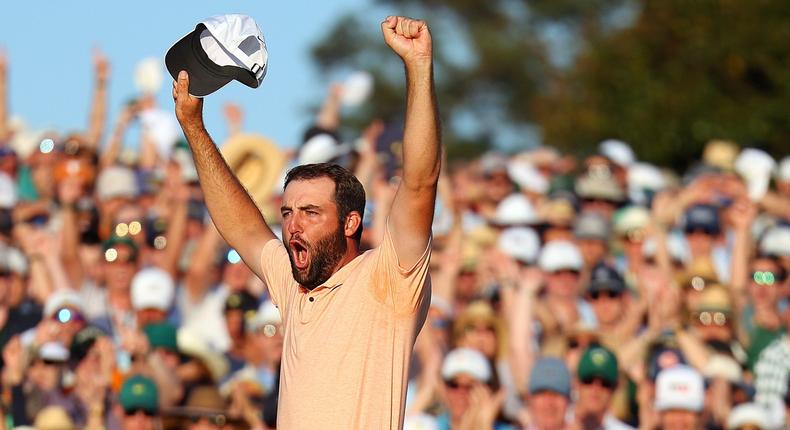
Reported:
(233, 211)
(412, 209)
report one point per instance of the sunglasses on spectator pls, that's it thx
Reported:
(482, 327)
(217, 420)
(595, 295)
(704, 230)
(565, 271)
(454, 385)
(765, 278)
(132, 412)
(591, 380)
(712, 318)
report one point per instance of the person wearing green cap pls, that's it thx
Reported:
(598, 377)
(139, 399)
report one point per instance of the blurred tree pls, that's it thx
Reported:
(665, 76)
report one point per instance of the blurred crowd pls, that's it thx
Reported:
(568, 291)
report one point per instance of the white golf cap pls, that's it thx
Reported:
(152, 288)
(466, 361)
(220, 49)
(748, 414)
(756, 167)
(679, 387)
(357, 88)
(116, 181)
(560, 254)
(8, 197)
(267, 313)
(63, 298)
(776, 241)
(521, 243)
(617, 151)
(322, 148)
(527, 177)
(515, 209)
(783, 171)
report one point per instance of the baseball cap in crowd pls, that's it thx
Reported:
(83, 342)
(162, 335)
(521, 243)
(599, 184)
(53, 352)
(139, 393)
(550, 374)
(776, 242)
(644, 180)
(702, 217)
(720, 154)
(756, 167)
(605, 278)
(527, 177)
(116, 181)
(515, 209)
(53, 418)
(112, 243)
(560, 255)
(322, 148)
(783, 170)
(591, 225)
(243, 301)
(679, 387)
(630, 220)
(220, 49)
(62, 299)
(8, 197)
(598, 362)
(748, 414)
(152, 288)
(466, 361)
(420, 421)
(267, 314)
(12, 260)
(617, 151)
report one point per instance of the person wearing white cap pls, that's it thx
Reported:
(466, 375)
(152, 295)
(748, 416)
(357, 313)
(679, 398)
(561, 308)
(264, 346)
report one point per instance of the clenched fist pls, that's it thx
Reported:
(409, 38)
(189, 109)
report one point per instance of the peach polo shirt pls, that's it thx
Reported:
(348, 342)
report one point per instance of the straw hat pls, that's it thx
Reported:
(257, 162)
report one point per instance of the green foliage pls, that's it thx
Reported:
(666, 77)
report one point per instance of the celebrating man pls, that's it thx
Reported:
(350, 318)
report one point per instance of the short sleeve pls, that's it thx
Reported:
(276, 270)
(406, 286)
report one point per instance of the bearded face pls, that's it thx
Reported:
(312, 263)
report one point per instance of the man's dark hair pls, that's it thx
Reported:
(349, 193)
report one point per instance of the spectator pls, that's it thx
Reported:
(549, 395)
(139, 400)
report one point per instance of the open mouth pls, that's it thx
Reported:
(300, 254)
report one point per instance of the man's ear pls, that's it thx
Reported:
(352, 224)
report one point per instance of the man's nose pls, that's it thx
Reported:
(294, 224)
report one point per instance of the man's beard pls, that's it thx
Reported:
(324, 256)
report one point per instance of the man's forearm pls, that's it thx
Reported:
(234, 213)
(421, 153)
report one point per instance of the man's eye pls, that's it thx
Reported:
(312, 213)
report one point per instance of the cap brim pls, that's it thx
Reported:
(205, 77)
